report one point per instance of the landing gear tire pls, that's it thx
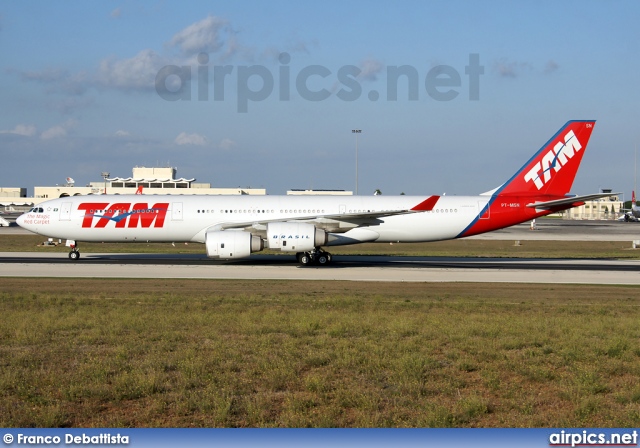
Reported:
(74, 255)
(305, 259)
(322, 259)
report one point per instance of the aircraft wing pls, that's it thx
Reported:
(569, 201)
(334, 223)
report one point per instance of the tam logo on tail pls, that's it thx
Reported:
(555, 159)
(552, 169)
(540, 186)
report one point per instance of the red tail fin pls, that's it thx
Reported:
(553, 168)
(633, 198)
(547, 177)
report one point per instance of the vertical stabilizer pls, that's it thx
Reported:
(553, 168)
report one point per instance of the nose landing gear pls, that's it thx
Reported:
(75, 253)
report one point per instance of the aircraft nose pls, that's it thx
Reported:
(20, 220)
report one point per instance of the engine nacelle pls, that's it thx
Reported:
(294, 236)
(229, 244)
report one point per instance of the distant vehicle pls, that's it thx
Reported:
(3, 222)
(632, 214)
(233, 227)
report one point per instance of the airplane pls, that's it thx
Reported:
(233, 227)
(8, 216)
(632, 214)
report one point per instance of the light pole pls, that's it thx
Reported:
(356, 131)
(105, 175)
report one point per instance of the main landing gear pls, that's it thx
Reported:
(75, 253)
(316, 256)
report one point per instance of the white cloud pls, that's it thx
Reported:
(510, 69)
(138, 72)
(60, 80)
(227, 144)
(121, 133)
(59, 130)
(201, 37)
(68, 106)
(27, 130)
(190, 139)
(370, 69)
(54, 132)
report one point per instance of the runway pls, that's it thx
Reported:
(354, 268)
(359, 268)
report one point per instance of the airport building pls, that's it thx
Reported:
(13, 200)
(152, 181)
(298, 192)
(13, 193)
(606, 208)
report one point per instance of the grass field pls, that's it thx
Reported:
(120, 353)
(453, 248)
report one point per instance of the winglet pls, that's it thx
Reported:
(427, 204)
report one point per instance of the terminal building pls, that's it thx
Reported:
(300, 192)
(606, 208)
(14, 200)
(152, 181)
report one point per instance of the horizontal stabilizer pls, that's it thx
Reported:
(569, 201)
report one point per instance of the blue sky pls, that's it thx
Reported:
(81, 92)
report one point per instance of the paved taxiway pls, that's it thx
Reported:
(359, 268)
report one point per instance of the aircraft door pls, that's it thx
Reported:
(482, 205)
(176, 211)
(65, 211)
(343, 209)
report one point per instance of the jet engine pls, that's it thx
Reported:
(229, 244)
(295, 236)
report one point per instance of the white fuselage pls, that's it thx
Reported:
(129, 218)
